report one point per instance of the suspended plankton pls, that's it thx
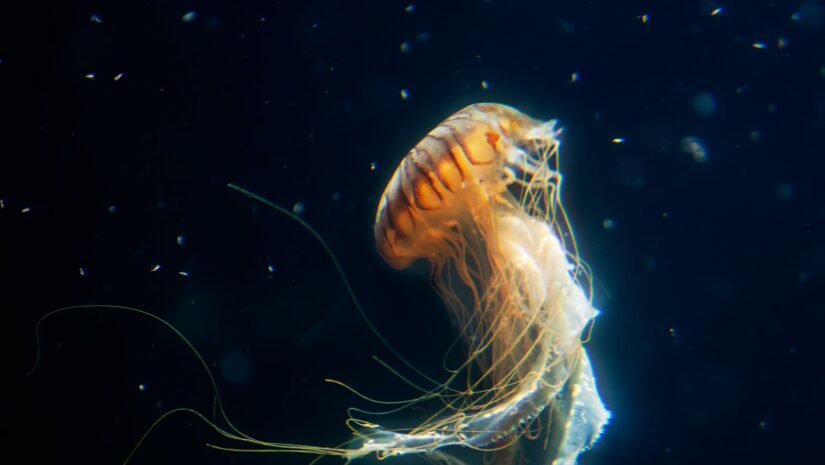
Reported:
(480, 199)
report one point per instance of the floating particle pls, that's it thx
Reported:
(617, 140)
(336, 196)
(704, 103)
(180, 240)
(183, 273)
(763, 425)
(373, 166)
(95, 19)
(781, 42)
(645, 18)
(754, 136)
(485, 85)
(783, 191)
(2, 203)
(90, 76)
(112, 209)
(189, 16)
(298, 208)
(758, 45)
(574, 77)
(270, 268)
(405, 94)
(141, 387)
(810, 14)
(673, 332)
(696, 148)
(155, 267)
(423, 37)
(82, 271)
(608, 224)
(26, 210)
(717, 11)
(409, 8)
(405, 47)
(118, 77)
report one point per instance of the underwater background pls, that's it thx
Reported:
(692, 154)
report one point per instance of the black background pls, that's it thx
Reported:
(710, 281)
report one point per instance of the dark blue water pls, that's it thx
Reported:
(692, 153)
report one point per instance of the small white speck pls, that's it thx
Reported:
(189, 16)
(82, 271)
(155, 267)
(717, 11)
(26, 210)
(485, 85)
(118, 77)
(183, 273)
(758, 45)
(95, 19)
(180, 240)
(405, 94)
(90, 76)
(617, 140)
(298, 208)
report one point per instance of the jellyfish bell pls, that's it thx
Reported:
(479, 198)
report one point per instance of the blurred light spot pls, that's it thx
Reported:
(373, 166)
(405, 47)
(809, 14)
(270, 268)
(82, 271)
(574, 77)
(180, 240)
(236, 367)
(423, 37)
(485, 85)
(183, 273)
(189, 16)
(704, 103)
(141, 387)
(781, 42)
(783, 191)
(409, 8)
(155, 267)
(26, 210)
(645, 18)
(617, 140)
(112, 209)
(90, 76)
(694, 146)
(717, 11)
(298, 208)
(608, 223)
(405, 94)
(118, 77)
(754, 136)
(95, 19)
(758, 45)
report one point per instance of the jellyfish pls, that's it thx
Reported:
(479, 198)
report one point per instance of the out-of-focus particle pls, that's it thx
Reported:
(673, 333)
(617, 140)
(270, 268)
(704, 103)
(574, 76)
(373, 166)
(25, 210)
(2, 204)
(754, 136)
(423, 37)
(405, 47)
(180, 240)
(155, 267)
(112, 209)
(183, 273)
(298, 208)
(645, 18)
(409, 8)
(118, 77)
(95, 19)
(82, 271)
(405, 94)
(189, 16)
(763, 425)
(717, 11)
(781, 42)
(783, 191)
(141, 387)
(758, 45)
(485, 85)
(608, 224)
(693, 145)
(90, 76)
(810, 14)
